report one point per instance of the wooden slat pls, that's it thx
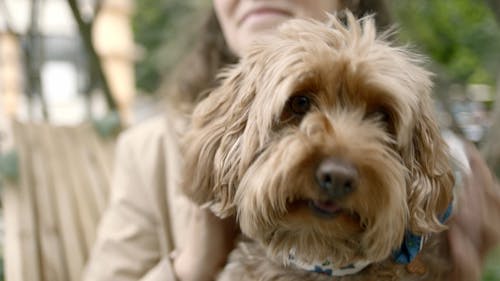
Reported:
(70, 143)
(12, 240)
(52, 256)
(70, 225)
(30, 246)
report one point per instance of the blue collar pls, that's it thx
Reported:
(413, 244)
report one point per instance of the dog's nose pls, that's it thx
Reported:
(337, 177)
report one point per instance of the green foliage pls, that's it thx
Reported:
(9, 166)
(2, 269)
(492, 268)
(461, 35)
(156, 23)
(108, 126)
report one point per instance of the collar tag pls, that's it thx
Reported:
(416, 266)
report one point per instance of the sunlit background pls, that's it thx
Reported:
(71, 63)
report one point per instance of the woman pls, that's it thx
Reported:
(150, 231)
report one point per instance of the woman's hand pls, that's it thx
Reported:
(209, 241)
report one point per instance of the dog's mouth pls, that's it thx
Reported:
(324, 208)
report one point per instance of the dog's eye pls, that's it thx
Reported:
(384, 115)
(380, 113)
(299, 105)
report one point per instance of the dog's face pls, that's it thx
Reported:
(322, 140)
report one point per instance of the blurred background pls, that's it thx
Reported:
(73, 73)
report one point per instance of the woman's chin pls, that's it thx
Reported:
(253, 29)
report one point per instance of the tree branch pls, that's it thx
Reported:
(97, 7)
(490, 148)
(86, 33)
(34, 57)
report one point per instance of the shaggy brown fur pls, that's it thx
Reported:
(311, 97)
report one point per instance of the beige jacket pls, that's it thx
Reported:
(146, 217)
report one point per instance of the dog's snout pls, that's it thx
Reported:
(337, 177)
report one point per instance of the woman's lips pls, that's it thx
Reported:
(263, 14)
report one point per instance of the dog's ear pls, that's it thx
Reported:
(430, 181)
(213, 143)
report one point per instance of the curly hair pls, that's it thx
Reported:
(196, 72)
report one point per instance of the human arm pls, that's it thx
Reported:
(128, 242)
(210, 241)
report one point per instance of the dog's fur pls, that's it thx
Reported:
(255, 146)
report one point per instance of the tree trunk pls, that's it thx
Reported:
(33, 52)
(95, 62)
(495, 8)
(490, 148)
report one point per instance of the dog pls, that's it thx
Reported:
(324, 143)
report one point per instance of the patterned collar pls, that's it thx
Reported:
(327, 267)
(411, 246)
